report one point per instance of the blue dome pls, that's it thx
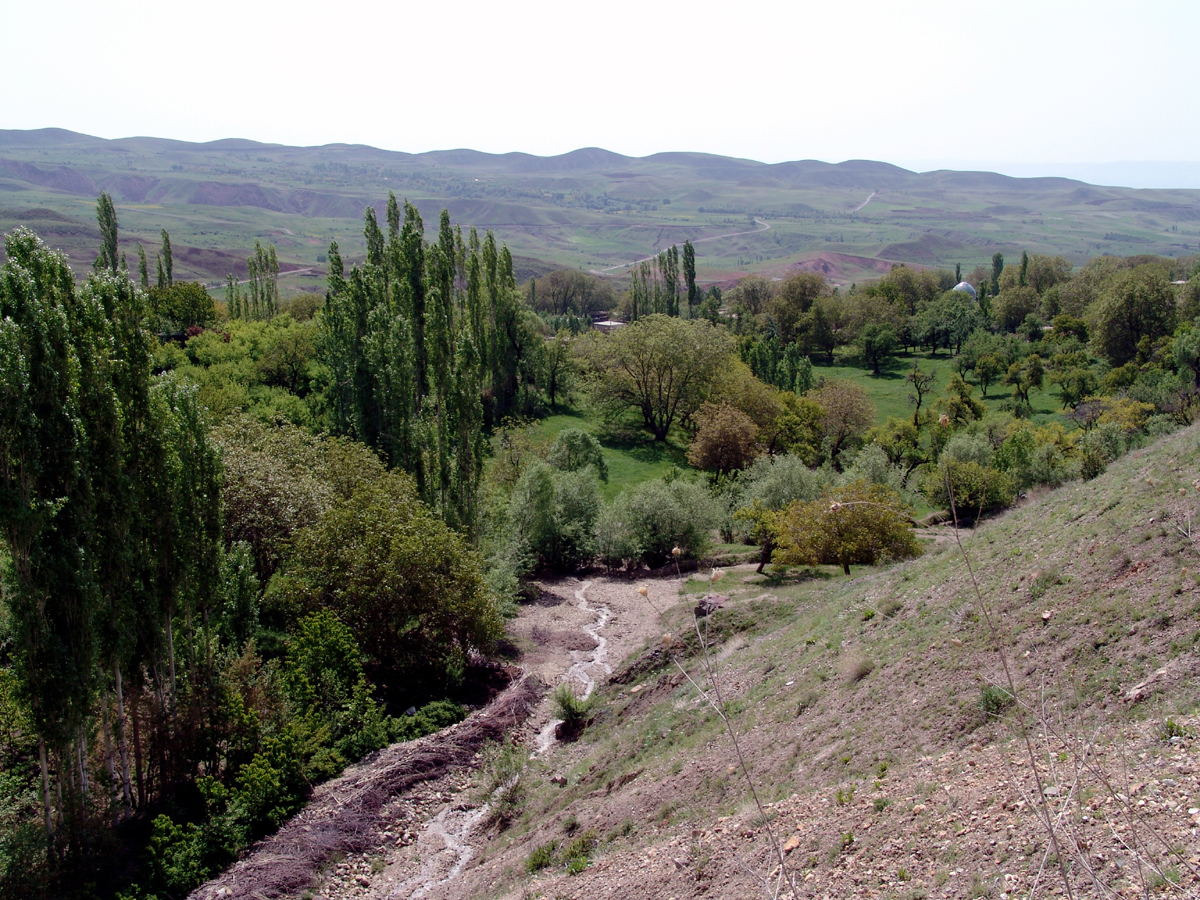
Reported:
(965, 288)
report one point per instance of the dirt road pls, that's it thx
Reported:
(765, 227)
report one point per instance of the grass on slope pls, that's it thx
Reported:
(832, 680)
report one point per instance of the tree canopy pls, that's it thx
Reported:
(660, 366)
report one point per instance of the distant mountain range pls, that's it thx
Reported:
(590, 208)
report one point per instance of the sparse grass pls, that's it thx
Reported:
(994, 701)
(810, 631)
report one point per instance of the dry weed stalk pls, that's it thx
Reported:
(1080, 754)
(717, 703)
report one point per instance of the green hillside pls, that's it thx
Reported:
(589, 208)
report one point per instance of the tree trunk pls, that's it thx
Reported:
(83, 772)
(137, 753)
(108, 744)
(121, 742)
(47, 818)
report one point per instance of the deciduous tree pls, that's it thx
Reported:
(858, 524)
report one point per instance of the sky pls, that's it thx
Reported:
(1048, 87)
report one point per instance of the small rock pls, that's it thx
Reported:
(792, 843)
(710, 603)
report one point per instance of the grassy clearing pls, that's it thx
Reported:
(632, 455)
(890, 391)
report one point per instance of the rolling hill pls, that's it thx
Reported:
(589, 208)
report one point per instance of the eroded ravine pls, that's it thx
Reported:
(425, 837)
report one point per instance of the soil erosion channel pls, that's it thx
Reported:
(570, 634)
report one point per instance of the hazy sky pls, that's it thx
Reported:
(923, 82)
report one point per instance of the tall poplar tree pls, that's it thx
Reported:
(106, 216)
(143, 272)
(689, 275)
(167, 259)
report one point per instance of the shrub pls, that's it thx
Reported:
(994, 700)
(1098, 448)
(859, 524)
(872, 466)
(964, 447)
(552, 518)
(648, 521)
(575, 449)
(569, 707)
(542, 857)
(976, 488)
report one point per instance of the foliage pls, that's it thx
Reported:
(569, 707)
(406, 584)
(647, 522)
(660, 366)
(972, 487)
(552, 518)
(574, 449)
(878, 344)
(412, 347)
(279, 479)
(857, 524)
(725, 441)
(1137, 304)
(994, 700)
(847, 414)
(181, 306)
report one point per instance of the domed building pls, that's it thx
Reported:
(964, 288)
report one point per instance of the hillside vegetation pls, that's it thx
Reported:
(874, 716)
(248, 542)
(588, 209)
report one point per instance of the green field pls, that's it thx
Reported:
(890, 391)
(587, 209)
(632, 456)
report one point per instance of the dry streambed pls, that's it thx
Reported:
(403, 825)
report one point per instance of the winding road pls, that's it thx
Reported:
(716, 237)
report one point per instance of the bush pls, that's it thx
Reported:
(575, 449)
(406, 584)
(976, 488)
(994, 700)
(552, 518)
(1099, 447)
(872, 466)
(542, 857)
(964, 447)
(648, 521)
(569, 707)
(858, 524)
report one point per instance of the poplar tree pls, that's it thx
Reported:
(689, 275)
(142, 270)
(106, 216)
(167, 260)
